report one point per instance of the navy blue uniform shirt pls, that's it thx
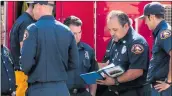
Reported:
(49, 50)
(16, 36)
(8, 84)
(108, 51)
(131, 52)
(159, 64)
(87, 63)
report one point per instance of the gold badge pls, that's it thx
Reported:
(165, 34)
(26, 35)
(137, 49)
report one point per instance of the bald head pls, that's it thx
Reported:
(118, 24)
(122, 17)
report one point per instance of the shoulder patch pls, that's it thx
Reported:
(26, 35)
(137, 49)
(165, 34)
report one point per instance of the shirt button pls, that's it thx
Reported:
(9, 79)
(10, 89)
(119, 59)
(4, 62)
(124, 41)
(7, 70)
(116, 50)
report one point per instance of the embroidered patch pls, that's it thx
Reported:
(86, 55)
(165, 34)
(26, 35)
(137, 49)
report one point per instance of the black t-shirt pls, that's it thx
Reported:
(16, 36)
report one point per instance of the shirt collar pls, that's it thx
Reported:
(80, 46)
(28, 15)
(125, 38)
(158, 27)
(49, 17)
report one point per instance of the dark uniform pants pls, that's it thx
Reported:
(143, 91)
(108, 93)
(48, 89)
(85, 93)
(167, 92)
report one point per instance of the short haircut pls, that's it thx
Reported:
(73, 20)
(159, 16)
(122, 17)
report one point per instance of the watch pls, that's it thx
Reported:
(170, 83)
(116, 81)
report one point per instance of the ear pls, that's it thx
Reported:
(152, 17)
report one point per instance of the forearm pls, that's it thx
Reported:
(130, 75)
(93, 89)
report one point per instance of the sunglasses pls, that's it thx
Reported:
(42, 4)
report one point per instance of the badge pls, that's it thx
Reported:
(165, 34)
(107, 50)
(86, 55)
(124, 41)
(137, 49)
(26, 35)
(124, 49)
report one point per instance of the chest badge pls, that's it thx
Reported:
(124, 49)
(87, 55)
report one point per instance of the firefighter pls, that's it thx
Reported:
(49, 50)
(7, 69)
(130, 51)
(160, 70)
(16, 41)
(87, 62)
(17, 32)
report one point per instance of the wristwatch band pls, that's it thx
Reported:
(116, 82)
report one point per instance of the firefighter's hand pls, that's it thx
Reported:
(13, 94)
(161, 86)
(108, 81)
(101, 65)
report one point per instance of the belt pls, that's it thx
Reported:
(77, 90)
(37, 82)
(6, 93)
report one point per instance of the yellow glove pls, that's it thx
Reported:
(21, 82)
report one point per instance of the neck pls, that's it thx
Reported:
(157, 22)
(29, 11)
(126, 31)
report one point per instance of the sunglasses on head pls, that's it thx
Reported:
(42, 4)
